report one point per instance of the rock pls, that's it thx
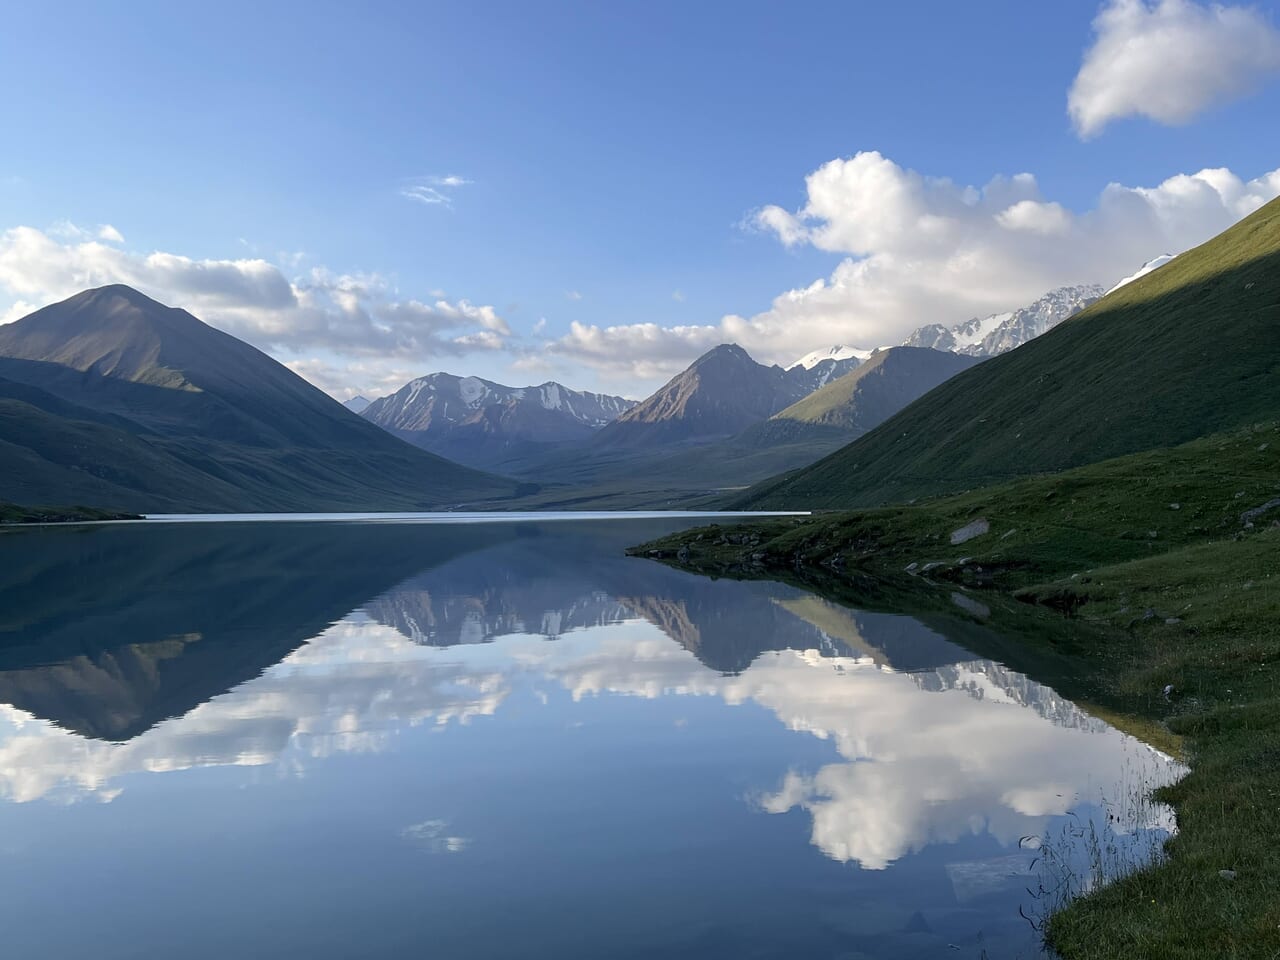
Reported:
(1175, 506)
(757, 556)
(932, 566)
(969, 605)
(911, 567)
(1227, 874)
(1172, 620)
(1009, 534)
(1249, 516)
(1153, 534)
(969, 531)
(1148, 614)
(1168, 691)
(683, 555)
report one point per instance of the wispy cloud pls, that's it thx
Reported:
(67, 230)
(572, 295)
(434, 191)
(677, 296)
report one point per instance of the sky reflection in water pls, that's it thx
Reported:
(385, 741)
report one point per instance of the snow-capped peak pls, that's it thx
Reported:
(1001, 332)
(838, 352)
(1154, 263)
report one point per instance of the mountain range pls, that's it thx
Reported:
(114, 399)
(485, 424)
(1180, 352)
(721, 394)
(1002, 332)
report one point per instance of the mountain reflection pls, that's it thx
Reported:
(270, 647)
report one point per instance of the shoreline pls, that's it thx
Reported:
(1141, 588)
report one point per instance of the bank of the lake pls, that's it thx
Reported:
(12, 513)
(1167, 566)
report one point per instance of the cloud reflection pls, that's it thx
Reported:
(920, 758)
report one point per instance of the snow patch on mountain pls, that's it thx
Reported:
(441, 400)
(838, 353)
(1155, 263)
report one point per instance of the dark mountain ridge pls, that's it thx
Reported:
(112, 398)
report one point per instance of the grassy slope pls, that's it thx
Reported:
(55, 458)
(1190, 349)
(11, 513)
(870, 393)
(1187, 596)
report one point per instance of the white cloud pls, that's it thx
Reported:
(1035, 217)
(66, 230)
(677, 296)
(921, 249)
(1169, 61)
(572, 295)
(332, 319)
(433, 190)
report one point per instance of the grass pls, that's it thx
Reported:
(11, 513)
(1162, 582)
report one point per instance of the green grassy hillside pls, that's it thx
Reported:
(1188, 350)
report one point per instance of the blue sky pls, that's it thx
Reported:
(616, 157)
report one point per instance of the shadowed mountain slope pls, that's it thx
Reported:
(862, 399)
(112, 398)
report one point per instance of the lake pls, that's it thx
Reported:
(509, 740)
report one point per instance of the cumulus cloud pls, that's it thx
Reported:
(1169, 61)
(353, 320)
(919, 249)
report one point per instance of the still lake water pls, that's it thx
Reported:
(508, 740)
